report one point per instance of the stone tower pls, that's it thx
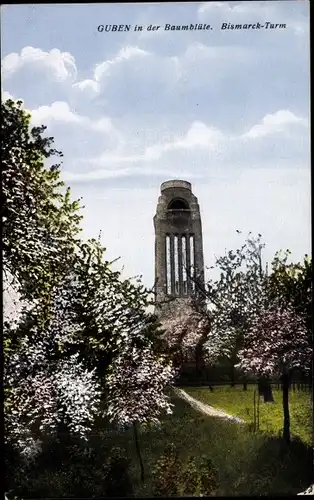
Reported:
(179, 261)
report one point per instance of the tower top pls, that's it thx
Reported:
(176, 184)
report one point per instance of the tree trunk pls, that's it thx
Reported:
(265, 389)
(310, 381)
(285, 405)
(245, 386)
(138, 451)
(199, 357)
(232, 377)
(254, 409)
(198, 362)
(268, 394)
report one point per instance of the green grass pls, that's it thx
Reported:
(240, 403)
(247, 463)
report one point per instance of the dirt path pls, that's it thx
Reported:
(309, 491)
(206, 409)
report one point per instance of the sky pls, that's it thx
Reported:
(227, 110)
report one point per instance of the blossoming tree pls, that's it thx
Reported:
(231, 301)
(182, 334)
(277, 344)
(137, 386)
(78, 318)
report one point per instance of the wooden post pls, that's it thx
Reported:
(254, 411)
(285, 404)
(137, 446)
(258, 401)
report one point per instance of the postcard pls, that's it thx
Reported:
(156, 178)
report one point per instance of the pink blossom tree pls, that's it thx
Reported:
(45, 383)
(98, 323)
(206, 334)
(234, 298)
(137, 386)
(232, 301)
(185, 336)
(275, 345)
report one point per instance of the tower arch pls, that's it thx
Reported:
(178, 204)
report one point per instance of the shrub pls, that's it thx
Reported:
(71, 468)
(116, 475)
(194, 477)
(208, 477)
(166, 474)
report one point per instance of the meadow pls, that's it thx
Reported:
(241, 462)
(240, 403)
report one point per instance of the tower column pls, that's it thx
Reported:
(160, 266)
(172, 268)
(188, 263)
(180, 262)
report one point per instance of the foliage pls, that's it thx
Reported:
(166, 474)
(80, 320)
(276, 343)
(116, 474)
(68, 467)
(234, 302)
(111, 308)
(234, 298)
(216, 333)
(290, 284)
(245, 288)
(40, 236)
(196, 476)
(98, 327)
(40, 222)
(199, 477)
(136, 386)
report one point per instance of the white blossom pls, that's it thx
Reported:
(137, 383)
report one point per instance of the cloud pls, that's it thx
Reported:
(6, 95)
(124, 54)
(60, 112)
(91, 87)
(99, 175)
(198, 136)
(190, 149)
(137, 74)
(226, 7)
(60, 65)
(153, 83)
(273, 124)
(245, 11)
(202, 136)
